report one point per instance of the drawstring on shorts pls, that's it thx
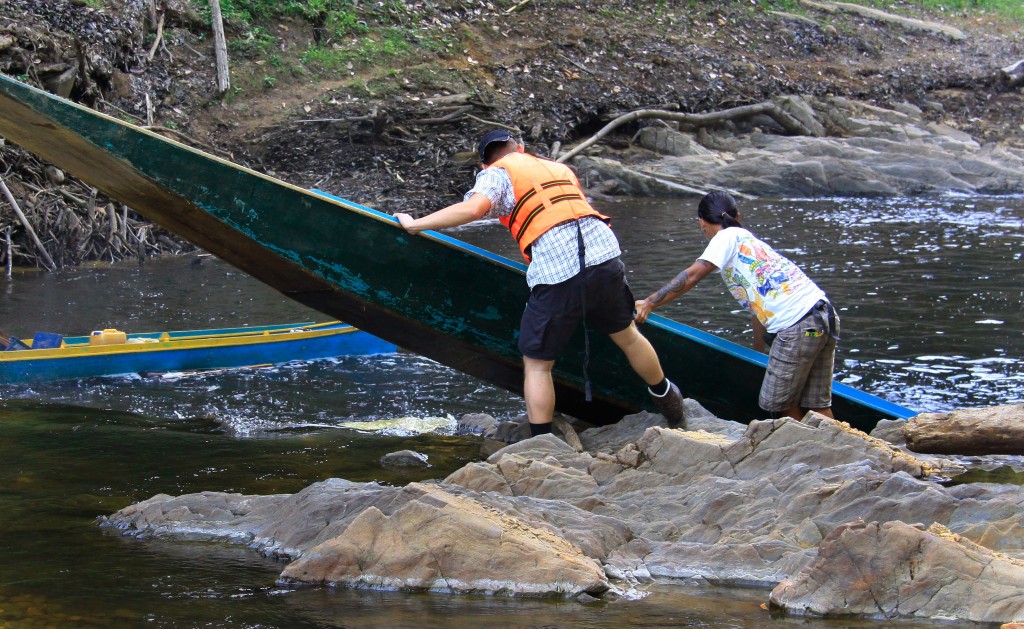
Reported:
(583, 305)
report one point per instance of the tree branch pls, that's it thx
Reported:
(28, 226)
(788, 122)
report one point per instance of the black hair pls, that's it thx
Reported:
(719, 208)
(493, 148)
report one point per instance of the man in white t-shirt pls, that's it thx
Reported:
(789, 311)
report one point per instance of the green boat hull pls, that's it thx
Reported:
(429, 294)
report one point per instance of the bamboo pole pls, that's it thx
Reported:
(28, 226)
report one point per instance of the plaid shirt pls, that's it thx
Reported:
(554, 255)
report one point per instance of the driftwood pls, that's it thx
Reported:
(221, 48)
(906, 22)
(450, 99)
(785, 120)
(492, 123)
(68, 223)
(517, 7)
(28, 226)
(459, 112)
(994, 430)
(159, 38)
(1013, 74)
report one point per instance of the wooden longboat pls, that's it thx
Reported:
(109, 352)
(430, 294)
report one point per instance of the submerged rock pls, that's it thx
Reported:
(404, 458)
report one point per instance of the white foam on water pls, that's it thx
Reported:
(405, 426)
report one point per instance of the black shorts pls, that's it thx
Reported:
(554, 311)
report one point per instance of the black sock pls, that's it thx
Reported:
(661, 388)
(540, 429)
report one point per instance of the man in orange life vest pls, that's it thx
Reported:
(542, 204)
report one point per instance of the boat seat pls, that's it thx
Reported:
(47, 340)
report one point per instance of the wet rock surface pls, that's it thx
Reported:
(721, 503)
(895, 570)
(858, 150)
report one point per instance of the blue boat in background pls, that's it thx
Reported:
(49, 357)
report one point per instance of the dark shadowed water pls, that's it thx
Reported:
(931, 295)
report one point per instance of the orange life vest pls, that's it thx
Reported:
(547, 194)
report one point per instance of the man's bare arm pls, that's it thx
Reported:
(678, 286)
(454, 215)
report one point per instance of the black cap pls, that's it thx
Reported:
(497, 135)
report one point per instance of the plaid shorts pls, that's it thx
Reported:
(800, 365)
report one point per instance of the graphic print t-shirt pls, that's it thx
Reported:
(767, 284)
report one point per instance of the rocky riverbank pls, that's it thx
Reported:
(851, 149)
(834, 521)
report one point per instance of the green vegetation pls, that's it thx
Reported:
(1013, 9)
(384, 45)
(291, 38)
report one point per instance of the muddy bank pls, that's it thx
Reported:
(777, 504)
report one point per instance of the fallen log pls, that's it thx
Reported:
(785, 120)
(977, 431)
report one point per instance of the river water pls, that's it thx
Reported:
(930, 292)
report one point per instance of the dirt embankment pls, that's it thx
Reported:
(394, 133)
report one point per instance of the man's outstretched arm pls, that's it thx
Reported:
(454, 215)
